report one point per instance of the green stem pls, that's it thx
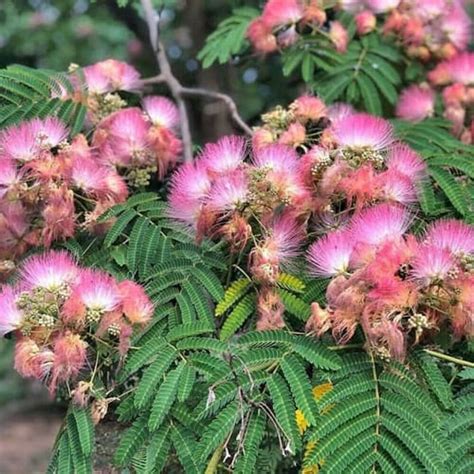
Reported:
(454, 360)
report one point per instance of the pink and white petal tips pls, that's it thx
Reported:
(10, 315)
(286, 235)
(396, 187)
(457, 26)
(461, 68)
(403, 159)
(128, 131)
(379, 224)
(190, 186)
(162, 112)
(97, 82)
(19, 142)
(453, 235)
(331, 255)
(431, 264)
(9, 175)
(339, 36)
(416, 103)
(224, 156)
(363, 131)
(381, 6)
(121, 75)
(50, 270)
(88, 175)
(276, 157)
(308, 107)
(97, 290)
(229, 192)
(136, 305)
(339, 110)
(49, 132)
(261, 36)
(282, 12)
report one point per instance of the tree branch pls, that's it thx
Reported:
(179, 92)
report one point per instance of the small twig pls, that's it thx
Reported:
(228, 101)
(178, 92)
(454, 360)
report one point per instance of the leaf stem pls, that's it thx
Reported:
(454, 360)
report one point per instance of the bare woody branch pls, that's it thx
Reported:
(178, 91)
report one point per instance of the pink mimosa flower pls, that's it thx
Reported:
(162, 112)
(453, 235)
(10, 315)
(415, 103)
(224, 156)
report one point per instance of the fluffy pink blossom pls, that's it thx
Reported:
(136, 305)
(282, 12)
(126, 136)
(308, 108)
(111, 75)
(363, 131)
(97, 291)
(431, 264)
(50, 270)
(261, 36)
(396, 187)
(339, 36)
(285, 236)
(224, 156)
(19, 142)
(461, 68)
(331, 255)
(277, 158)
(380, 223)
(415, 103)
(162, 112)
(9, 175)
(365, 22)
(457, 26)
(190, 186)
(453, 235)
(228, 192)
(10, 315)
(382, 6)
(406, 161)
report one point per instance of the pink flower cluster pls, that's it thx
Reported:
(51, 184)
(283, 21)
(62, 315)
(427, 29)
(266, 199)
(456, 78)
(399, 289)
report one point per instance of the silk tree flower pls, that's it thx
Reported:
(228, 192)
(26, 141)
(162, 112)
(224, 156)
(457, 26)
(366, 22)
(453, 235)
(396, 187)
(362, 130)
(9, 175)
(403, 159)
(339, 36)
(432, 264)
(382, 6)
(136, 305)
(125, 134)
(416, 103)
(331, 255)
(97, 291)
(308, 108)
(261, 36)
(10, 315)
(50, 271)
(111, 75)
(381, 223)
(277, 158)
(189, 189)
(277, 13)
